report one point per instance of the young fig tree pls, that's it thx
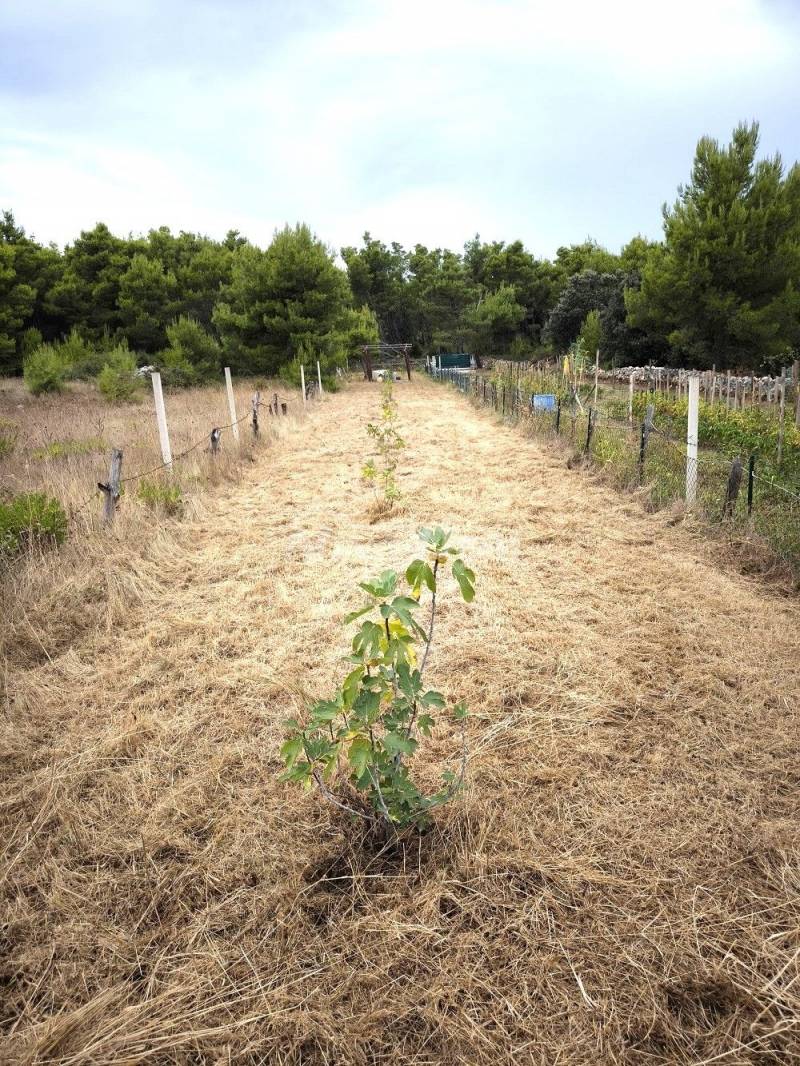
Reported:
(388, 442)
(356, 746)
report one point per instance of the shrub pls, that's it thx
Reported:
(83, 361)
(31, 340)
(118, 380)
(175, 369)
(157, 495)
(31, 518)
(357, 743)
(44, 370)
(193, 354)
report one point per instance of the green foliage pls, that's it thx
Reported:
(84, 361)
(31, 340)
(159, 495)
(495, 321)
(146, 295)
(750, 430)
(29, 519)
(358, 742)
(388, 442)
(45, 370)
(583, 293)
(290, 295)
(192, 354)
(118, 380)
(590, 337)
(724, 287)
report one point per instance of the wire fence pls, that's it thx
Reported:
(210, 442)
(727, 491)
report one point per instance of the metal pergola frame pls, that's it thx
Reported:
(367, 351)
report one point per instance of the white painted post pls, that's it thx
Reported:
(691, 440)
(161, 418)
(319, 378)
(303, 382)
(630, 399)
(231, 402)
(781, 416)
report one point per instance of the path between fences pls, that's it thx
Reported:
(599, 630)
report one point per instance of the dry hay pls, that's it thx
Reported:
(619, 883)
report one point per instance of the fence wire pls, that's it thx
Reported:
(735, 491)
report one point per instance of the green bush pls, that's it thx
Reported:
(83, 361)
(176, 370)
(193, 354)
(168, 498)
(118, 380)
(31, 340)
(31, 518)
(44, 370)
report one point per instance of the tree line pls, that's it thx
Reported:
(722, 287)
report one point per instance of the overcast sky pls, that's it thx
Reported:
(418, 121)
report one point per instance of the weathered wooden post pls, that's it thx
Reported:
(732, 488)
(111, 490)
(319, 378)
(231, 402)
(216, 433)
(303, 383)
(596, 373)
(630, 399)
(407, 358)
(255, 402)
(161, 418)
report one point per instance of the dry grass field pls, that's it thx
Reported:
(618, 884)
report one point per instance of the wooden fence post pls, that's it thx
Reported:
(161, 418)
(215, 435)
(407, 359)
(596, 373)
(691, 440)
(111, 490)
(630, 399)
(647, 425)
(303, 383)
(231, 402)
(319, 378)
(255, 402)
(732, 488)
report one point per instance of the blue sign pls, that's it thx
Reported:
(544, 401)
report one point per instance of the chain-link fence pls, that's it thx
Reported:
(735, 492)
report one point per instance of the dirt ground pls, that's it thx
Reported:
(619, 883)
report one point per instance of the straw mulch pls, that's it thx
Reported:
(619, 882)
